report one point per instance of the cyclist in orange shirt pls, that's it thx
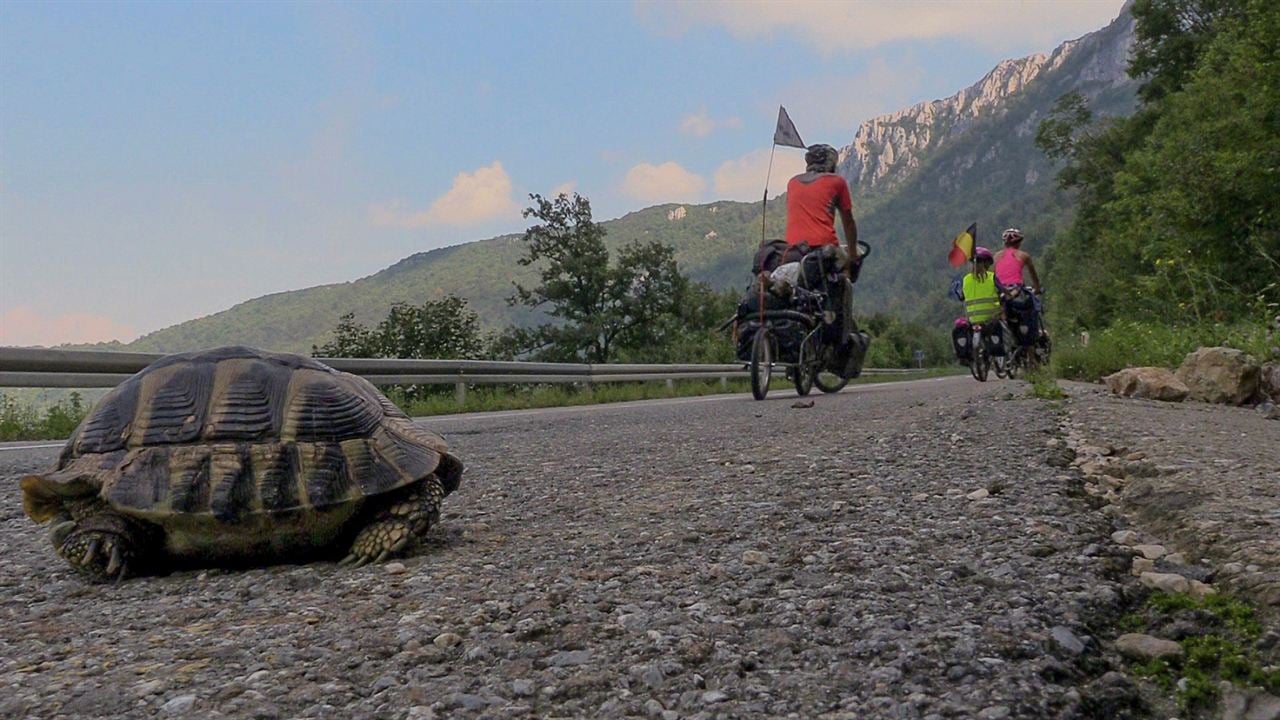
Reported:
(814, 197)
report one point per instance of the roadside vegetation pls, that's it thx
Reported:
(1131, 343)
(1044, 386)
(1176, 237)
(1224, 648)
(25, 421)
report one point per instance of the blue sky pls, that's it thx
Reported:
(162, 161)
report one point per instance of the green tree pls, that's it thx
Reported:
(439, 329)
(1176, 205)
(1197, 205)
(1171, 35)
(601, 308)
(692, 333)
(1057, 134)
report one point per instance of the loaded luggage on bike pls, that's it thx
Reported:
(1025, 320)
(798, 314)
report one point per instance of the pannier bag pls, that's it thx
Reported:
(746, 332)
(995, 338)
(847, 360)
(787, 337)
(961, 339)
(1021, 312)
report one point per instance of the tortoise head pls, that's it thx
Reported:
(45, 496)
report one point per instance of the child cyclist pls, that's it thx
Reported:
(981, 299)
(981, 304)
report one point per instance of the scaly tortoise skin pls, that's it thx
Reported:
(236, 456)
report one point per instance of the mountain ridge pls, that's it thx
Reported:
(887, 148)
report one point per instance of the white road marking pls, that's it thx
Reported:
(33, 447)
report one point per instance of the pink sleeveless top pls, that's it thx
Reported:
(1009, 269)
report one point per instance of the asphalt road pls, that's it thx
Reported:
(697, 557)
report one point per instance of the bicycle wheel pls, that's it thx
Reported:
(802, 376)
(1044, 347)
(1017, 361)
(761, 363)
(829, 382)
(981, 363)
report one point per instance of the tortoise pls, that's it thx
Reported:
(236, 456)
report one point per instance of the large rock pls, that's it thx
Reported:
(1220, 375)
(1269, 382)
(1152, 383)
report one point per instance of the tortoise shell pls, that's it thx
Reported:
(236, 432)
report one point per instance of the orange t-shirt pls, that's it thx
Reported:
(812, 201)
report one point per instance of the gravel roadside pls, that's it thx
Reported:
(1211, 486)
(896, 551)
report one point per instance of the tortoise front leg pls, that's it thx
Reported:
(101, 546)
(397, 528)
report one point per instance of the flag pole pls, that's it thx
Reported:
(764, 204)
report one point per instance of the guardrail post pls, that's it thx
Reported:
(724, 382)
(671, 385)
(460, 391)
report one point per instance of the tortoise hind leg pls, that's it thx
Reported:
(102, 546)
(401, 525)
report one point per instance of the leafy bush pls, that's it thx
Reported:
(894, 343)
(436, 329)
(24, 422)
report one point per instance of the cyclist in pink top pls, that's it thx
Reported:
(1012, 259)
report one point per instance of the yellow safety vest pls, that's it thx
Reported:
(981, 302)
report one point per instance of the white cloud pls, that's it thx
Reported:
(698, 124)
(475, 197)
(564, 188)
(667, 182)
(743, 179)
(23, 325)
(701, 124)
(832, 27)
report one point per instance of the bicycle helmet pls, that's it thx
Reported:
(1012, 236)
(981, 254)
(821, 158)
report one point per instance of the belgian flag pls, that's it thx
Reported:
(962, 246)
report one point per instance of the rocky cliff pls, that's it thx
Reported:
(887, 149)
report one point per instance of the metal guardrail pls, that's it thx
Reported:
(41, 368)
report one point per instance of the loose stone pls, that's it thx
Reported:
(1165, 582)
(1146, 647)
(447, 640)
(1151, 552)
